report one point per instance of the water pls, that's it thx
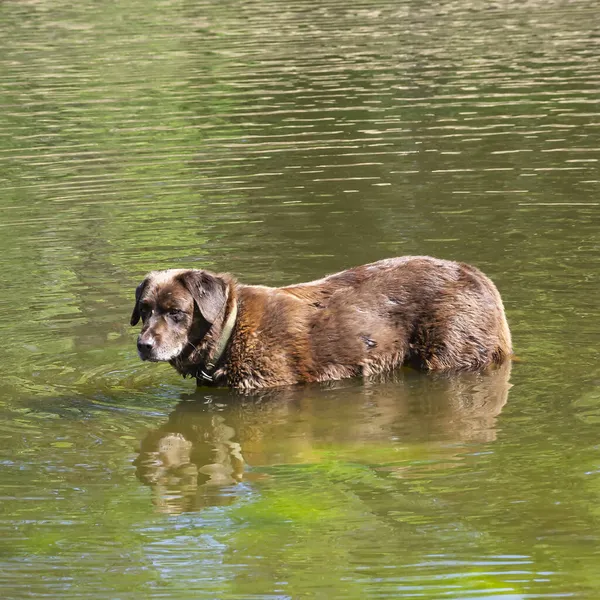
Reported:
(282, 141)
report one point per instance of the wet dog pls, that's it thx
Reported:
(428, 313)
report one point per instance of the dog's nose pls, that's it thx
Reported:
(145, 346)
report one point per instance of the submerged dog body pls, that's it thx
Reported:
(432, 314)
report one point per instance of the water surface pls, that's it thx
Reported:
(279, 142)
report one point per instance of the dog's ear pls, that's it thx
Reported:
(208, 291)
(135, 315)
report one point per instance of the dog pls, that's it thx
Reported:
(424, 312)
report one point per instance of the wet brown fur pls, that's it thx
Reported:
(429, 313)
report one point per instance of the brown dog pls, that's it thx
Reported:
(432, 314)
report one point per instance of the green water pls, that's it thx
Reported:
(281, 141)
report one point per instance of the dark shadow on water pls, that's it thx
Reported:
(215, 439)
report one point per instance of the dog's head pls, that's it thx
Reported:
(177, 308)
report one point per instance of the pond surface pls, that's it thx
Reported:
(280, 141)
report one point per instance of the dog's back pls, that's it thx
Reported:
(430, 313)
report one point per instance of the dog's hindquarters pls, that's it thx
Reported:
(464, 327)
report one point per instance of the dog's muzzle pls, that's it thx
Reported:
(145, 347)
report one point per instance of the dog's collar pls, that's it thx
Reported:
(210, 366)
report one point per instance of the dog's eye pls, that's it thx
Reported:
(176, 315)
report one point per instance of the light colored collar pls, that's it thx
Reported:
(213, 359)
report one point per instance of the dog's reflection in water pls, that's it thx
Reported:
(191, 460)
(205, 450)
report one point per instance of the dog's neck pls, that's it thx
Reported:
(202, 359)
(217, 351)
